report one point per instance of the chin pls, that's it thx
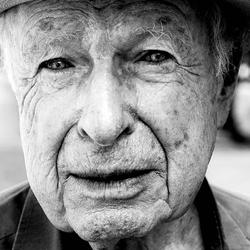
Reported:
(115, 223)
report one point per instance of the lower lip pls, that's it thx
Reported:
(118, 190)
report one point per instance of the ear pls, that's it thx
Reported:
(226, 93)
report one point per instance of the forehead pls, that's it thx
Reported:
(79, 20)
(110, 12)
(45, 29)
(117, 5)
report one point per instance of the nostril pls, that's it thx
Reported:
(105, 130)
(82, 132)
(127, 131)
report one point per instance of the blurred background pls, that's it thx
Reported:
(229, 168)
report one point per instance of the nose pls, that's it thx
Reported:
(105, 118)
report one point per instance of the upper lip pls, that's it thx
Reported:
(117, 175)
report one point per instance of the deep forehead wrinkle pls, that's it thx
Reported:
(109, 8)
(165, 21)
(116, 14)
(155, 18)
(45, 9)
(117, 11)
(104, 4)
(55, 16)
(137, 7)
(48, 22)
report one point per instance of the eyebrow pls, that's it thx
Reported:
(158, 29)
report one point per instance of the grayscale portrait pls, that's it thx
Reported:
(119, 106)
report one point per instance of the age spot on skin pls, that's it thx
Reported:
(46, 25)
(152, 144)
(177, 144)
(186, 137)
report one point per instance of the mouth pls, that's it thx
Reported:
(114, 176)
(114, 185)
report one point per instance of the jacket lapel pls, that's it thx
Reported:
(35, 232)
(235, 238)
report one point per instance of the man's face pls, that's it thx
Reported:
(118, 107)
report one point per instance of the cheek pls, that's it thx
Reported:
(45, 120)
(186, 128)
(52, 118)
(169, 112)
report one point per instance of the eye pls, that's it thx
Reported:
(56, 64)
(154, 57)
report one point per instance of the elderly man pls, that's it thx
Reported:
(119, 105)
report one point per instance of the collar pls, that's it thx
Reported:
(234, 236)
(36, 232)
(210, 223)
(220, 231)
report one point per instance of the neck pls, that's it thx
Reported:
(181, 234)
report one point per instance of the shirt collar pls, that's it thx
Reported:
(210, 223)
(35, 232)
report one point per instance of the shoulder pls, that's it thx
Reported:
(235, 215)
(236, 206)
(13, 192)
(11, 204)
